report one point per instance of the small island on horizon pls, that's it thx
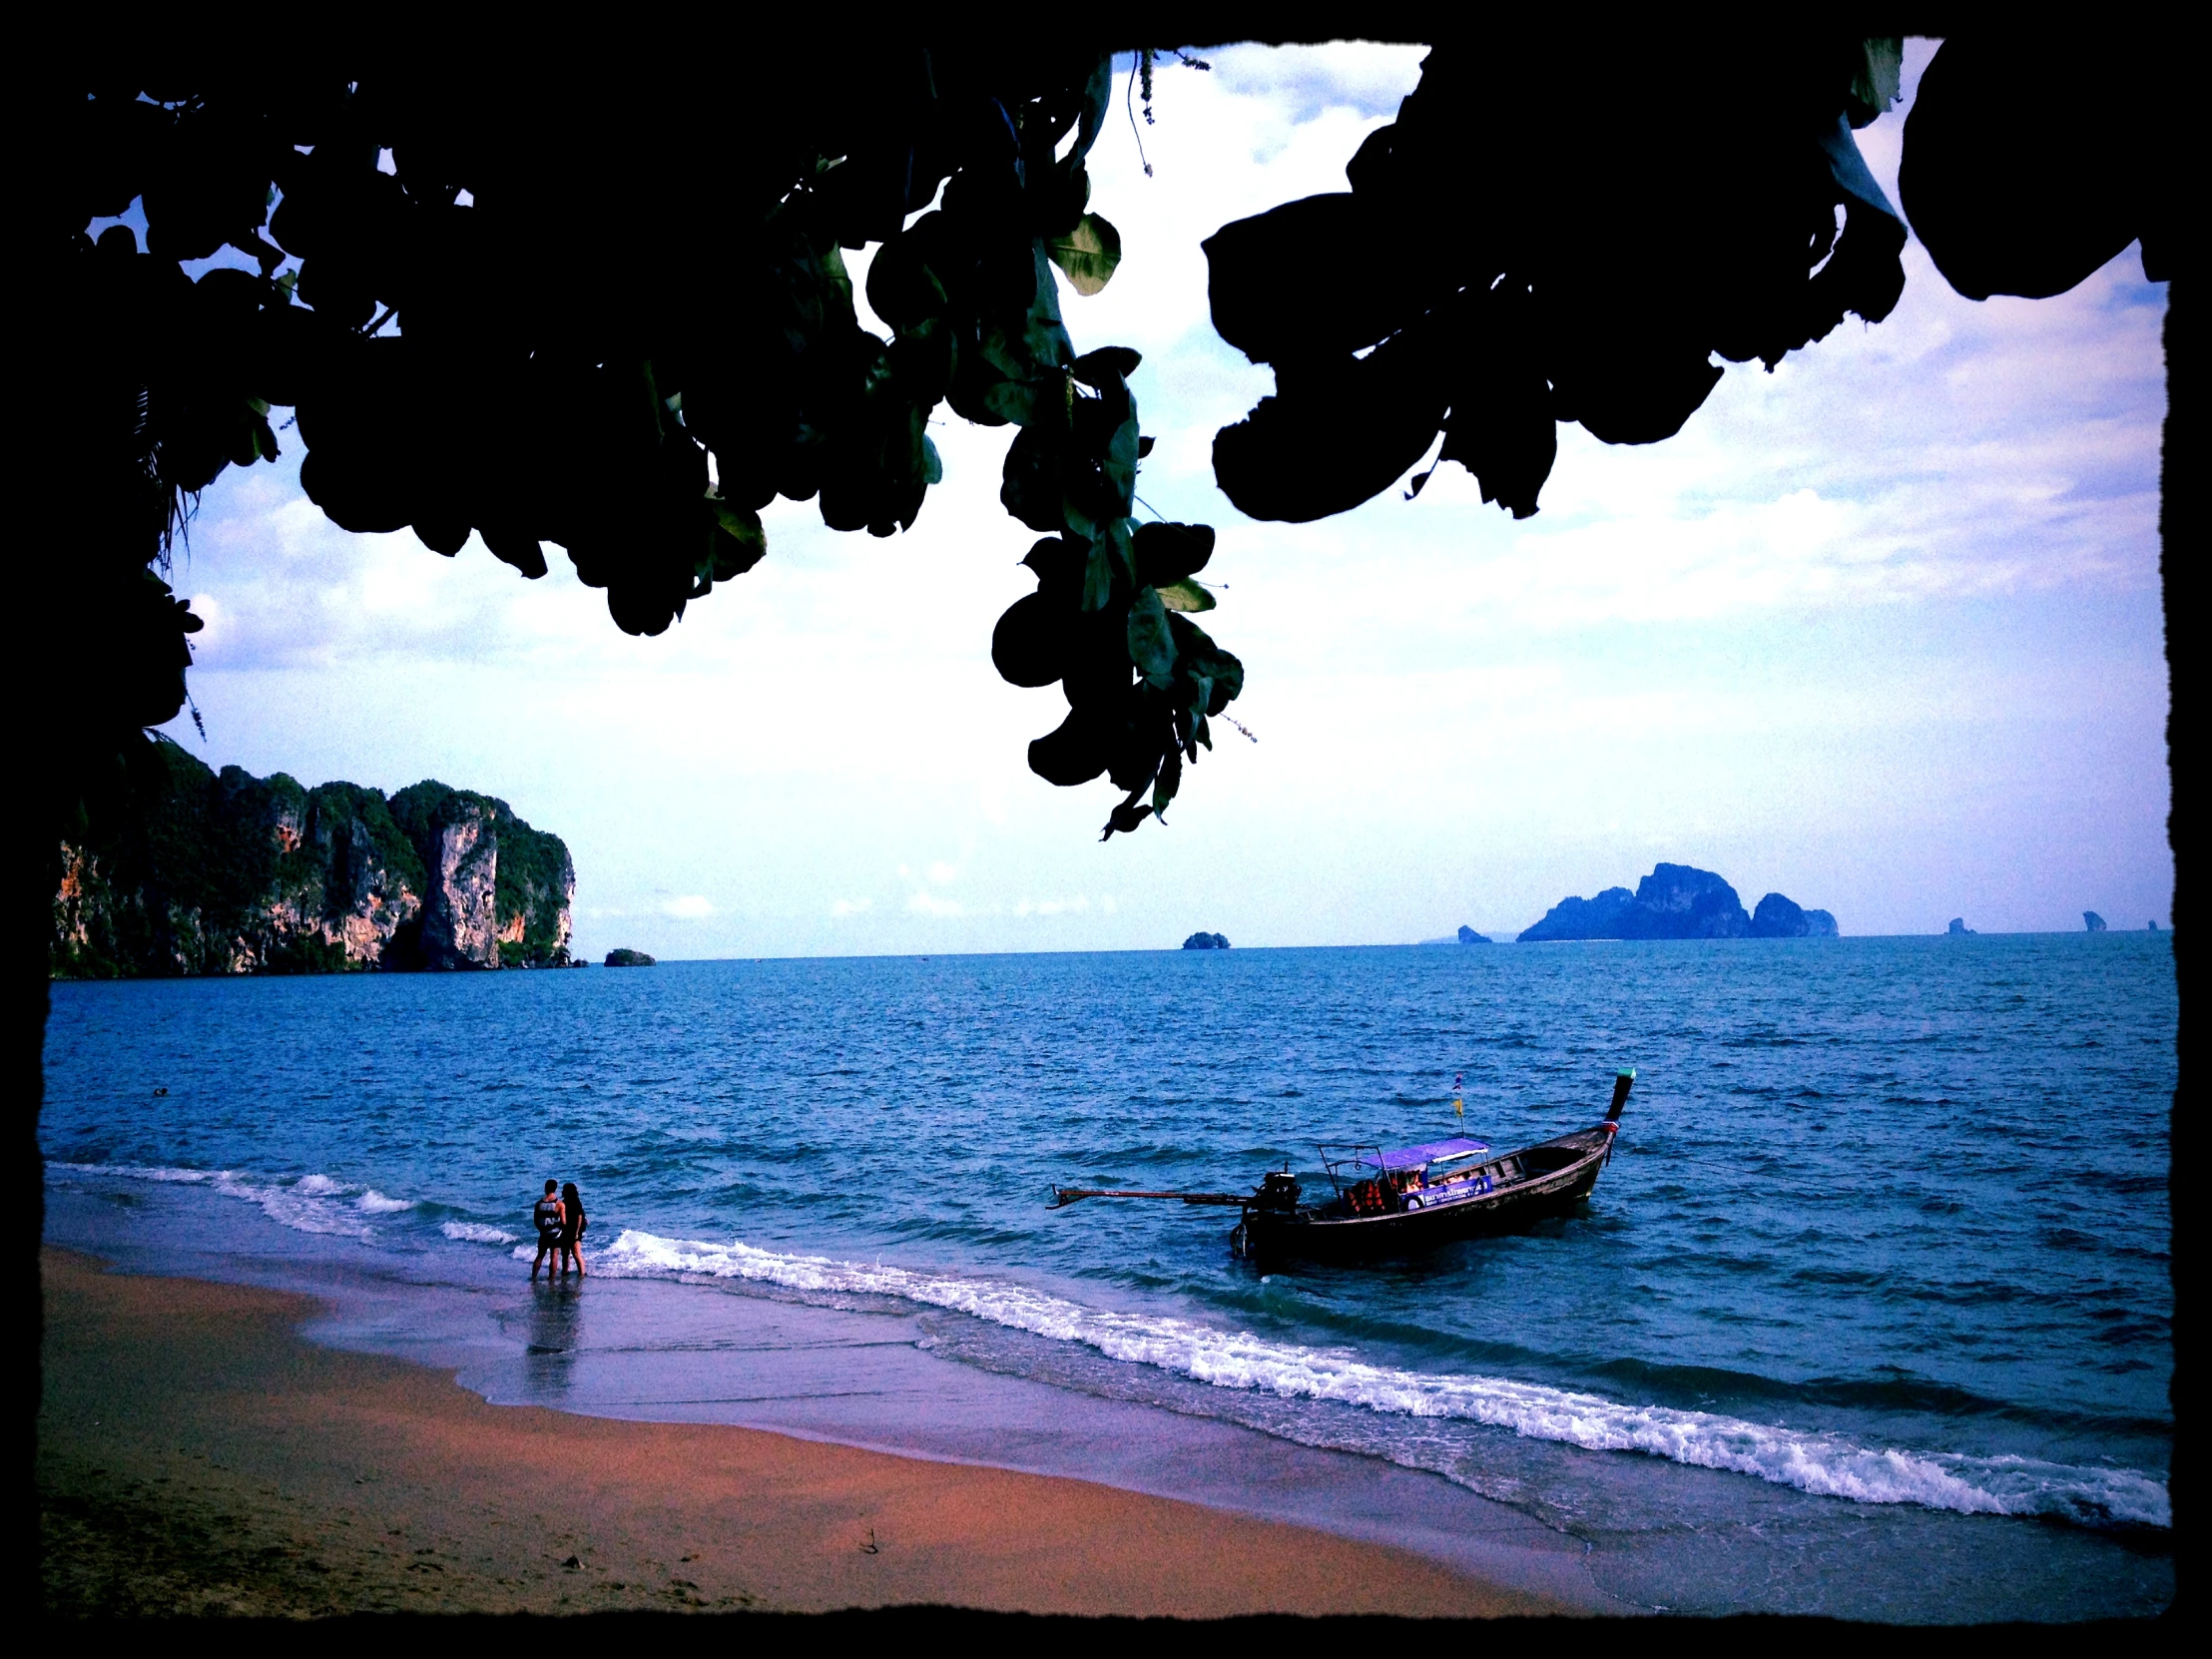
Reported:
(1206, 942)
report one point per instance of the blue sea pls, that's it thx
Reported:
(1869, 1315)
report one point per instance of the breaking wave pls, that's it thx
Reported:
(306, 1204)
(1821, 1465)
(143, 1172)
(475, 1231)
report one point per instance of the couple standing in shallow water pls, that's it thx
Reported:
(559, 1218)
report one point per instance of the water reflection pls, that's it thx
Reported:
(556, 1334)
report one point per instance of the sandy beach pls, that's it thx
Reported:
(197, 1455)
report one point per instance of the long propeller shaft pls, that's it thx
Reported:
(1063, 1196)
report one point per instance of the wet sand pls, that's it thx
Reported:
(197, 1455)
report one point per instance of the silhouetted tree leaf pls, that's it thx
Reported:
(1151, 646)
(1167, 552)
(2008, 200)
(1088, 253)
(1072, 752)
(1185, 596)
(1335, 433)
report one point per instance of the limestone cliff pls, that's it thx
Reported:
(498, 892)
(186, 872)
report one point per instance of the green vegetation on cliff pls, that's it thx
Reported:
(535, 880)
(183, 870)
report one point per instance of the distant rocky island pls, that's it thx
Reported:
(190, 872)
(1469, 936)
(624, 956)
(2092, 922)
(1676, 901)
(1206, 942)
(1959, 929)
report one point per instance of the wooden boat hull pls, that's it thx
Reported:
(1548, 1179)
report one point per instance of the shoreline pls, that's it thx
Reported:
(198, 1455)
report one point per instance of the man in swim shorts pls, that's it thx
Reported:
(548, 1216)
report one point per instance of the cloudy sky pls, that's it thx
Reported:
(1879, 630)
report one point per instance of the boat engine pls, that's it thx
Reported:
(1278, 1190)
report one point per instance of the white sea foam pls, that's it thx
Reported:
(312, 1204)
(307, 1204)
(1823, 1465)
(475, 1231)
(143, 1172)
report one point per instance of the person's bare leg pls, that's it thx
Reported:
(576, 1254)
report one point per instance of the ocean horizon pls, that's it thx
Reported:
(1501, 936)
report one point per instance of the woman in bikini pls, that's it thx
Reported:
(572, 1229)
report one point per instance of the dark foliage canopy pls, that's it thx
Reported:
(1566, 242)
(602, 305)
(612, 313)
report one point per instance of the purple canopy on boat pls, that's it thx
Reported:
(1429, 1152)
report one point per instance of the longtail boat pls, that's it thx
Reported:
(1392, 1201)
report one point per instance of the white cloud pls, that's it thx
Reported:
(1052, 906)
(943, 874)
(1303, 83)
(852, 906)
(690, 908)
(215, 622)
(930, 904)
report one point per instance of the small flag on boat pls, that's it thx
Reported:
(1459, 1093)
